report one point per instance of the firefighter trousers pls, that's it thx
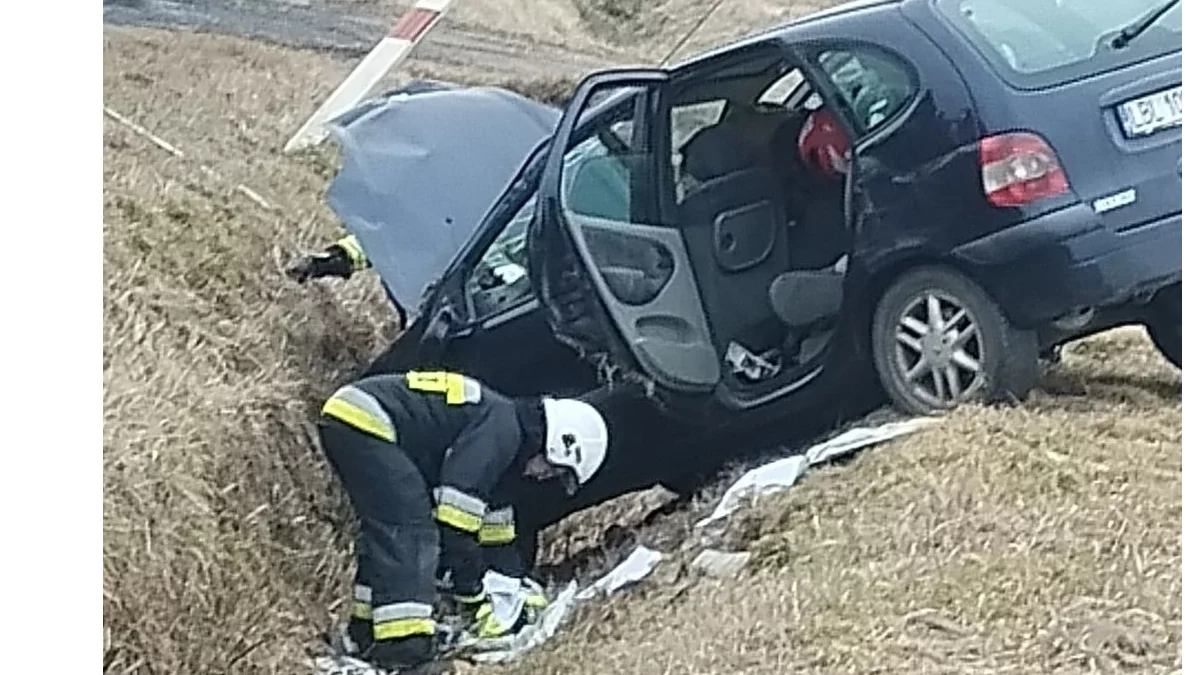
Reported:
(397, 547)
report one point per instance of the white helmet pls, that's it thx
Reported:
(576, 436)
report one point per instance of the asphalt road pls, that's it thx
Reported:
(320, 25)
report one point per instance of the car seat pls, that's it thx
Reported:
(818, 234)
(735, 229)
(807, 299)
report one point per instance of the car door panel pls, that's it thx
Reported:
(638, 270)
(668, 332)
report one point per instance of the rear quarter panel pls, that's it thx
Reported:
(918, 192)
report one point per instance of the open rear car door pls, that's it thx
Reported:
(618, 282)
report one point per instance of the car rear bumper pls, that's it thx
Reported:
(1066, 261)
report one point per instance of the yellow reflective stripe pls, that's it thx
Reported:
(498, 527)
(361, 609)
(358, 418)
(497, 535)
(433, 382)
(399, 628)
(354, 251)
(361, 411)
(458, 389)
(446, 494)
(455, 517)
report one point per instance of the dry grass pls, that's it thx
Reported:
(1045, 538)
(222, 543)
(225, 545)
(1041, 538)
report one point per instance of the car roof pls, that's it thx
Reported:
(782, 30)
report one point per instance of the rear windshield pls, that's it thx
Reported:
(1038, 43)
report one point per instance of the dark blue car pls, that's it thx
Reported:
(910, 198)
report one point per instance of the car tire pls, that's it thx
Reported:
(973, 354)
(1165, 323)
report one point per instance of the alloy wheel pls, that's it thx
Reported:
(939, 349)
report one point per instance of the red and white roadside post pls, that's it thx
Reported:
(393, 48)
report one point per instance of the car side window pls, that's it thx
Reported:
(597, 178)
(874, 85)
(608, 181)
(500, 280)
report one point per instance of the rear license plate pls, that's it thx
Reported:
(1151, 113)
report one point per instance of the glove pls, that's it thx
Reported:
(486, 626)
(330, 263)
(535, 599)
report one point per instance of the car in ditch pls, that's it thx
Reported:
(902, 200)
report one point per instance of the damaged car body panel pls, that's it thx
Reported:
(911, 198)
(782, 234)
(421, 167)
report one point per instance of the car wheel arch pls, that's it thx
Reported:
(887, 272)
(1014, 362)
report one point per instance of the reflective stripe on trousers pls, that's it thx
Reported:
(402, 619)
(397, 546)
(498, 527)
(361, 609)
(458, 509)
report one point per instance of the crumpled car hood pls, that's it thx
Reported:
(419, 172)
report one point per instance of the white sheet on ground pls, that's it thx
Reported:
(635, 567)
(783, 473)
(777, 475)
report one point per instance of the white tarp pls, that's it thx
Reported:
(637, 566)
(777, 475)
(783, 473)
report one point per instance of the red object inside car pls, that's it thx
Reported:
(822, 145)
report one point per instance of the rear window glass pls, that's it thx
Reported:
(1044, 42)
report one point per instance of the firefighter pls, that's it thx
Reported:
(431, 461)
(343, 258)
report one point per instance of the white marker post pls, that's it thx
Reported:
(393, 48)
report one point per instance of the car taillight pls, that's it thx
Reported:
(1019, 168)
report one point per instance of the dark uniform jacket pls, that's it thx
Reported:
(469, 443)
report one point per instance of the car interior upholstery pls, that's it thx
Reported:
(764, 232)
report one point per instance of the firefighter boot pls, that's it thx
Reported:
(407, 656)
(360, 632)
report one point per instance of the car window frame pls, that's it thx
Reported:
(810, 51)
(472, 263)
(645, 197)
